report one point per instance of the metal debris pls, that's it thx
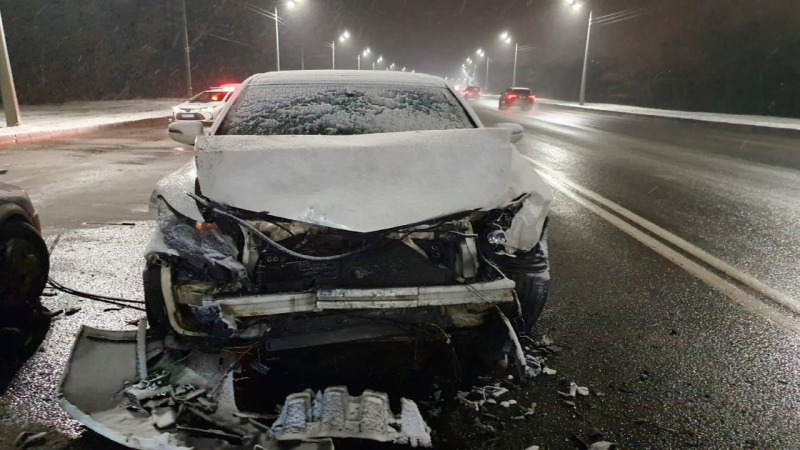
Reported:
(71, 310)
(494, 390)
(574, 390)
(548, 371)
(141, 348)
(334, 413)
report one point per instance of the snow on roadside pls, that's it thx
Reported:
(75, 115)
(785, 123)
(757, 121)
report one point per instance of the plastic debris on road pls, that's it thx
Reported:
(334, 413)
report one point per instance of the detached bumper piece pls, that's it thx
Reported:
(138, 392)
(334, 413)
(500, 291)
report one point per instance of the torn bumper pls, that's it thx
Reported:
(456, 306)
(199, 387)
(500, 291)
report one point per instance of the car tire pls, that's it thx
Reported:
(531, 273)
(24, 269)
(155, 306)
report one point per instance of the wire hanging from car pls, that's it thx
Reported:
(217, 210)
(121, 302)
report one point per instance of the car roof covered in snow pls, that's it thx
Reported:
(361, 77)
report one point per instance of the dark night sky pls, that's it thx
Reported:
(692, 54)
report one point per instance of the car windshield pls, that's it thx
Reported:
(522, 92)
(208, 97)
(343, 110)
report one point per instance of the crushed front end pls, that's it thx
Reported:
(239, 274)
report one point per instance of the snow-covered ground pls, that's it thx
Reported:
(65, 117)
(758, 121)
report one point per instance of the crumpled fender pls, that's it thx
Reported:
(174, 189)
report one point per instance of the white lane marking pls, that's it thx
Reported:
(725, 287)
(740, 276)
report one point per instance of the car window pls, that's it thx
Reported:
(208, 96)
(522, 92)
(342, 110)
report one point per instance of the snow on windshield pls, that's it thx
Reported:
(343, 110)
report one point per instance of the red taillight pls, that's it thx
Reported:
(511, 96)
(532, 97)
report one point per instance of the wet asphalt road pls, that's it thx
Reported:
(683, 366)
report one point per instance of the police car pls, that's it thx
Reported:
(206, 105)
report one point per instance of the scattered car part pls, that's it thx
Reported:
(187, 401)
(334, 413)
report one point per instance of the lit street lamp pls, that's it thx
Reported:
(365, 53)
(486, 81)
(342, 38)
(289, 4)
(505, 37)
(602, 20)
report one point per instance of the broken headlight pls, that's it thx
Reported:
(202, 248)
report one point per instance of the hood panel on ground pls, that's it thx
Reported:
(362, 183)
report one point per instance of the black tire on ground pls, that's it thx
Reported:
(531, 273)
(500, 106)
(156, 309)
(24, 268)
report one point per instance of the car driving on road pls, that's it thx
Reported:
(517, 97)
(205, 106)
(472, 92)
(325, 207)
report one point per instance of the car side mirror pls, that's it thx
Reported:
(515, 130)
(185, 132)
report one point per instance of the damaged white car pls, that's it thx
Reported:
(339, 206)
(321, 208)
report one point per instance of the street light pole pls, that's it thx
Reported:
(333, 54)
(486, 81)
(585, 60)
(516, 51)
(277, 42)
(359, 61)
(186, 52)
(10, 104)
